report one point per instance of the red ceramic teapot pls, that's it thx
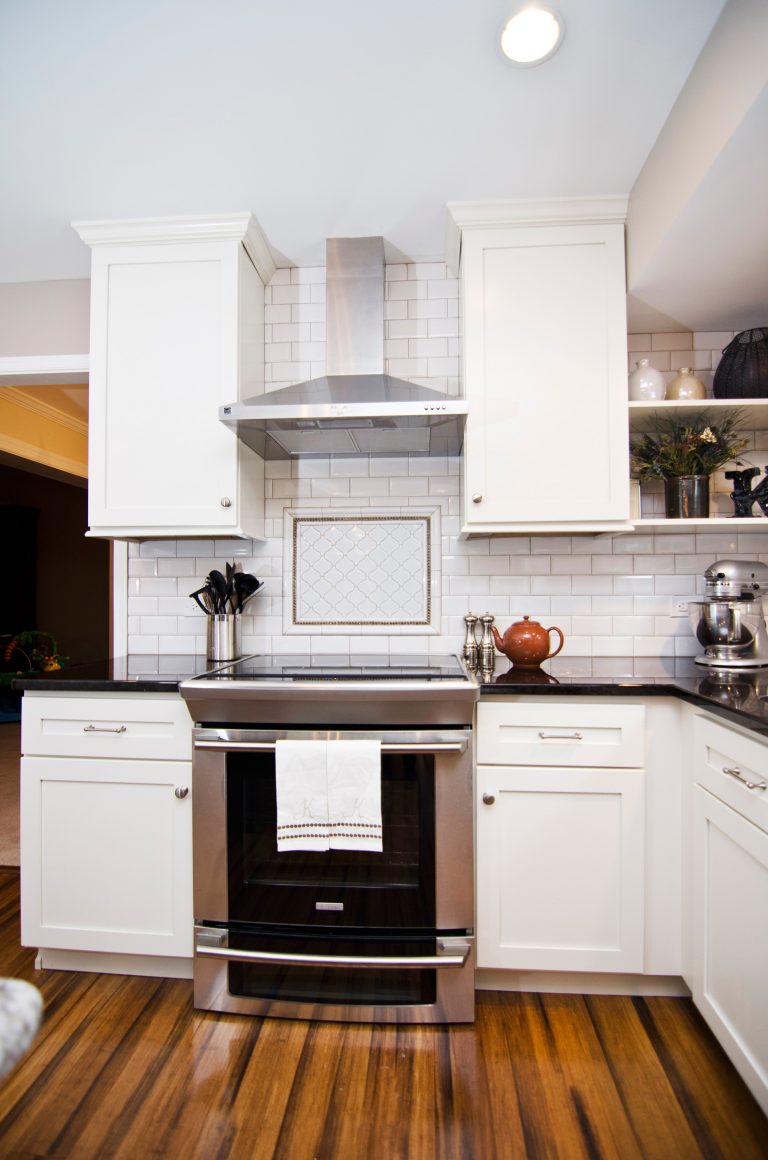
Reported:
(526, 643)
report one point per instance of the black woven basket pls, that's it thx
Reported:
(742, 372)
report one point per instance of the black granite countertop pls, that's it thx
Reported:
(740, 695)
(131, 674)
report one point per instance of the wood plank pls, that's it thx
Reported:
(659, 1123)
(717, 1104)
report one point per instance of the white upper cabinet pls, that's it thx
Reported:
(177, 330)
(544, 365)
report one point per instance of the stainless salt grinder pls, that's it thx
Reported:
(487, 649)
(470, 641)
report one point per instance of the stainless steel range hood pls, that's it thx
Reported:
(354, 409)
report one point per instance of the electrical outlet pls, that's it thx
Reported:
(680, 607)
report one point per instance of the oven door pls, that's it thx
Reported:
(337, 934)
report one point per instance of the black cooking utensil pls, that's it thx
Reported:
(220, 588)
(245, 586)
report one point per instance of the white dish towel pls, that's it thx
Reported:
(354, 795)
(328, 795)
(302, 795)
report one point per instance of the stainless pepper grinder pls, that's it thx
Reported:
(487, 649)
(470, 641)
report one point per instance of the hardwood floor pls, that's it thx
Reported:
(10, 749)
(125, 1068)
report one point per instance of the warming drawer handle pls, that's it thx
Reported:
(386, 747)
(104, 729)
(362, 962)
(734, 771)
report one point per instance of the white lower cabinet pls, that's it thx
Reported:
(729, 893)
(561, 846)
(106, 841)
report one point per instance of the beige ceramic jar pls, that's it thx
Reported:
(685, 385)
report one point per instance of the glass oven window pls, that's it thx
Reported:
(333, 985)
(393, 888)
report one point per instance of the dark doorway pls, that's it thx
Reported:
(52, 578)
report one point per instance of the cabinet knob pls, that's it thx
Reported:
(226, 501)
(477, 498)
(181, 791)
(489, 799)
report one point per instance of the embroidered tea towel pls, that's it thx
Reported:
(302, 795)
(354, 795)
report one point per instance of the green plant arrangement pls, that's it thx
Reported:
(697, 445)
(37, 652)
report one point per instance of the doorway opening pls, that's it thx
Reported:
(53, 581)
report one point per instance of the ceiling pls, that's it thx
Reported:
(334, 118)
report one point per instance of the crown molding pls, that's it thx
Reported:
(29, 402)
(476, 215)
(240, 227)
(28, 451)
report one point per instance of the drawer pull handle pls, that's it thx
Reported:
(181, 791)
(105, 729)
(575, 736)
(489, 799)
(733, 771)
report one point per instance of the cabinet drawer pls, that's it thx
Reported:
(720, 750)
(577, 734)
(104, 726)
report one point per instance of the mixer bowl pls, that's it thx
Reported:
(728, 626)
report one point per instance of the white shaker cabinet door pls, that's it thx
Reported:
(176, 332)
(730, 934)
(560, 869)
(106, 853)
(545, 378)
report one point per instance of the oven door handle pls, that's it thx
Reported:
(386, 746)
(454, 955)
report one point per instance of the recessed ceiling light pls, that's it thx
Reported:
(532, 35)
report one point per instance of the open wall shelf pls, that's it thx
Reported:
(754, 412)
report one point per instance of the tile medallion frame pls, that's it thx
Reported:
(362, 571)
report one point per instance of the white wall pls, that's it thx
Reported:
(45, 317)
(612, 597)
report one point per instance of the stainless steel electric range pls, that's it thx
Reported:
(336, 934)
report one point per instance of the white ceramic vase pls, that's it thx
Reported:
(645, 383)
(685, 385)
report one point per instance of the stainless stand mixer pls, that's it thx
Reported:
(730, 622)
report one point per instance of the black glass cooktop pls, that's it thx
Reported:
(418, 667)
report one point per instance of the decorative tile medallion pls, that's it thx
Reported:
(361, 569)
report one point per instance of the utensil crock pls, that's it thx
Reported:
(223, 641)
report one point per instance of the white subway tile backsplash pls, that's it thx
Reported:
(142, 605)
(551, 585)
(571, 565)
(406, 290)
(428, 308)
(609, 565)
(138, 567)
(446, 288)
(440, 327)
(709, 339)
(592, 585)
(612, 646)
(678, 341)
